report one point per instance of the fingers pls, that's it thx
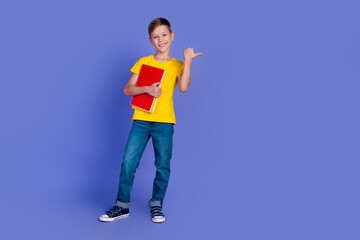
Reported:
(155, 90)
(158, 91)
(157, 94)
(189, 52)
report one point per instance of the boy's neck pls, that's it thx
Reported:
(162, 57)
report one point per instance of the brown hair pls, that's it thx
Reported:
(157, 22)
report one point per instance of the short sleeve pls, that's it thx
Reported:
(136, 67)
(180, 69)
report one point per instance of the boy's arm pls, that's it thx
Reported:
(184, 78)
(131, 89)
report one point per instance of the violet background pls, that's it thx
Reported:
(266, 144)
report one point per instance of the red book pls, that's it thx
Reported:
(148, 75)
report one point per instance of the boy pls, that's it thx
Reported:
(157, 125)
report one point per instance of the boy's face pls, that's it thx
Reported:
(161, 38)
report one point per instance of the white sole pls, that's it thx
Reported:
(158, 220)
(107, 219)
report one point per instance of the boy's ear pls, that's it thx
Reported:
(172, 36)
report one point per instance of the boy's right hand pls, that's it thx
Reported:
(154, 90)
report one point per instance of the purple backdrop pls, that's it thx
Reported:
(266, 144)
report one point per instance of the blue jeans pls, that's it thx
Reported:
(162, 138)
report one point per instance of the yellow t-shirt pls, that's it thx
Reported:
(164, 109)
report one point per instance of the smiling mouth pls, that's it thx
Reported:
(162, 45)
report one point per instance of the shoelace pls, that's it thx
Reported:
(113, 212)
(156, 211)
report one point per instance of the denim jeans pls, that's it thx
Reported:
(162, 138)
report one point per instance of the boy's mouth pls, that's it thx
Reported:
(162, 45)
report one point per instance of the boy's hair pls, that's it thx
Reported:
(157, 22)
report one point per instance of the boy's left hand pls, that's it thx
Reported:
(189, 54)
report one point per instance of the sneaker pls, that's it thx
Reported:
(156, 214)
(115, 213)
